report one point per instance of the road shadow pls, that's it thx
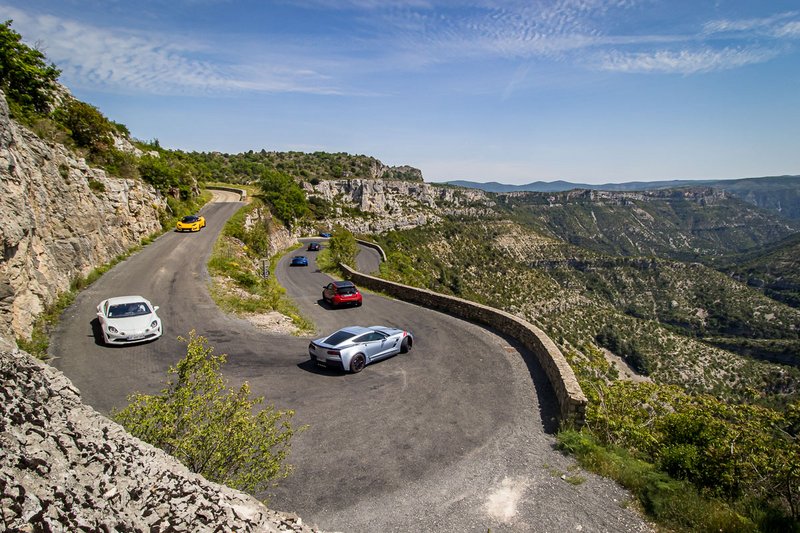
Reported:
(325, 305)
(313, 368)
(549, 410)
(97, 333)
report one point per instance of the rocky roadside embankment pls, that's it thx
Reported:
(65, 467)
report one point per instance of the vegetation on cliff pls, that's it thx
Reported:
(38, 101)
(249, 166)
(25, 77)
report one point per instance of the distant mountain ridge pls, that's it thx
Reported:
(561, 185)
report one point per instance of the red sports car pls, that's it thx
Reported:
(341, 293)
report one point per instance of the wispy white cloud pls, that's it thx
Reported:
(682, 61)
(361, 4)
(487, 29)
(116, 58)
(774, 26)
(789, 29)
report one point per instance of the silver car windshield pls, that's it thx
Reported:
(126, 310)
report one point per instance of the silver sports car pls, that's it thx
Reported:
(354, 347)
(128, 319)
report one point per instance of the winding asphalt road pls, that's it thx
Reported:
(450, 437)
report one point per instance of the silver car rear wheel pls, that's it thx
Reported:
(358, 363)
(405, 346)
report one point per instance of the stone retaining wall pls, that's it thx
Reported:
(242, 192)
(571, 399)
(374, 246)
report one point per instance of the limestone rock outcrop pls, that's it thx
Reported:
(59, 219)
(384, 205)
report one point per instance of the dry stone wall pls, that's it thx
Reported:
(571, 399)
(59, 219)
(65, 467)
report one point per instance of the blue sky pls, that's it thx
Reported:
(582, 90)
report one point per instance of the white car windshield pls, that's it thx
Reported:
(129, 309)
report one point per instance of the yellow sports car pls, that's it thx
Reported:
(191, 223)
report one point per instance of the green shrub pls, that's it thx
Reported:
(87, 126)
(287, 198)
(97, 186)
(674, 503)
(213, 430)
(343, 247)
(159, 173)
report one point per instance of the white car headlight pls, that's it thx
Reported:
(112, 329)
(154, 324)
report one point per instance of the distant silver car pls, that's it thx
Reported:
(354, 347)
(128, 319)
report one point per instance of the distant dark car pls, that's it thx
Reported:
(313, 247)
(341, 293)
(325, 235)
(299, 261)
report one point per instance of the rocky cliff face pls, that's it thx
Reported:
(59, 219)
(383, 205)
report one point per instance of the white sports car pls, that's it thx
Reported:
(354, 347)
(128, 319)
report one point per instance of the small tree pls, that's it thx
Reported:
(343, 247)
(287, 198)
(159, 173)
(212, 429)
(25, 77)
